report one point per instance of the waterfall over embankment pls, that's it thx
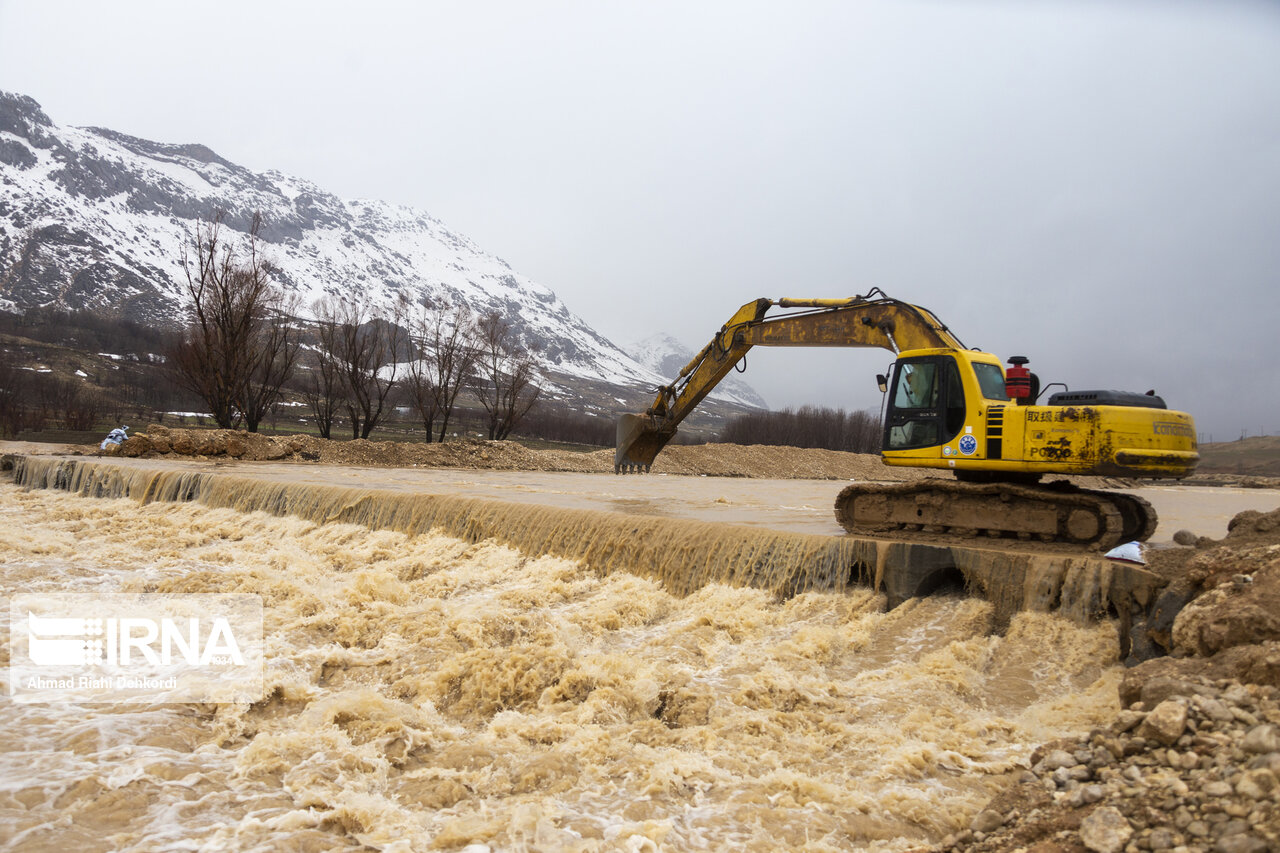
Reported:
(684, 555)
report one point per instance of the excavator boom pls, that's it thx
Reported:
(873, 320)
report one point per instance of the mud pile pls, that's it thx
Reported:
(159, 441)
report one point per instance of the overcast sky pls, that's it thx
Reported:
(1095, 185)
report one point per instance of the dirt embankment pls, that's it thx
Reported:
(1258, 456)
(718, 460)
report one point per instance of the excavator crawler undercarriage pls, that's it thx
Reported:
(1056, 512)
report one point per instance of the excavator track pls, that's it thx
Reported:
(1138, 515)
(1058, 512)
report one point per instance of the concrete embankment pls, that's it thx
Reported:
(683, 554)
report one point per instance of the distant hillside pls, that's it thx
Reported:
(1258, 456)
(93, 219)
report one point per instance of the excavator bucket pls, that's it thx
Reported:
(638, 443)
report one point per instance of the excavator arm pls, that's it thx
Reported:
(873, 320)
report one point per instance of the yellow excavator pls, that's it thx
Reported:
(953, 408)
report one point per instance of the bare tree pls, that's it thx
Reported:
(239, 346)
(13, 381)
(77, 404)
(445, 337)
(810, 426)
(322, 388)
(360, 346)
(506, 378)
(278, 340)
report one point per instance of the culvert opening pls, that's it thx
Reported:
(944, 581)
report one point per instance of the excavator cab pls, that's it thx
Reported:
(928, 403)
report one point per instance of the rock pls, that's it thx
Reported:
(1160, 619)
(1244, 716)
(1063, 776)
(1217, 789)
(1127, 721)
(1212, 708)
(1257, 784)
(1240, 605)
(1243, 520)
(236, 446)
(183, 445)
(1105, 830)
(1233, 827)
(1241, 844)
(1233, 622)
(1055, 759)
(1166, 722)
(1270, 761)
(1261, 739)
(1154, 681)
(987, 820)
(1163, 677)
(1186, 537)
(1162, 838)
(134, 446)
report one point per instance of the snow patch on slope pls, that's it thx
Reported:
(667, 356)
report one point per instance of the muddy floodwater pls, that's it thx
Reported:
(428, 693)
(801, 506)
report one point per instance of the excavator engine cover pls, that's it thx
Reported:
(1107, 398)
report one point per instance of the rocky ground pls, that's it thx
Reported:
(1192, 762)
(1189, 766)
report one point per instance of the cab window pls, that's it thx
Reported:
(991, 381)
(928, 407)
(916, 386)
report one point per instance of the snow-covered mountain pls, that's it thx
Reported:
(666, 356)
(91, 218)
